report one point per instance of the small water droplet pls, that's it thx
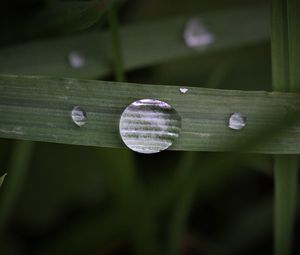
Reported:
(79, 116)
(76, 59)
(196, 35)
(149, 126)
(237, 121)
(184, 90)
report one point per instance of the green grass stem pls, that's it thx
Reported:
(285, 62)
(116, 45)
(11, 190)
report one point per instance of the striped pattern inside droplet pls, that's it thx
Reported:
(149, 126)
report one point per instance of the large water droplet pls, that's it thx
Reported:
(196, 35)
(183, 90)
(237, 121)
(76, 59)
(149, 126)
(79, 116)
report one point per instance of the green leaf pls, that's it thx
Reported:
(286, 182)
(38, 108)
(116, 45)
(2, 179)
(143, 44)
(184, 203)
(62, 17)
(19, 164)
(286, 77)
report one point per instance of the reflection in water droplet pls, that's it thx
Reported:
(196, 35)
(149, 126)
(184, 90)
(76, 59)
(237, 121)
(79, 116)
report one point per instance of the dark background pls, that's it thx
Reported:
(72, 198)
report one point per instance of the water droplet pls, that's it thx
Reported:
(79, 116)
(184, 90)
(237, 121)
(196, 35)
(76, 59)
(149, 126)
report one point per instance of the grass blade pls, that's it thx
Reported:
(161, 39)
(286, 182)
(116, 44)
(38, 108)
(57, 18)
(2, 179)
(180, 218)
(18, 167)
(294, 40)
(62, 17)
(285, 62)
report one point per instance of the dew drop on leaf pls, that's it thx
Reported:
(76, 59)
(79, 116)
(196, 35)
(183, 90)
(237, 121)
(149, 126)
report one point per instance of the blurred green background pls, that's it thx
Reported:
(85, 200)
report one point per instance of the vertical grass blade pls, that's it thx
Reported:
(2, 179)
(127, 182)
(143, 233)
(285, 62)
(116, 45)
(286, 170)
(294, 42)
(19, 162)
(279, 40)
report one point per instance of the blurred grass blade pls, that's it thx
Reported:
(279, 40)
(180, 216)
(18, 167)
(121, 175)
(127, 182)
(184, 203)
(94, 232)
(294, 40)
(186, 198)
(104, 226)
(65, 17)
(116, 45)
(286, 182)
(216, 168)
(2, 179)
(143, 44)
(38, 108)
(286, 77)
